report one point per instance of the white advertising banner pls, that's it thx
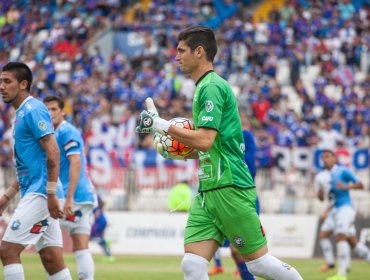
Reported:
(290, 236)
(142, 233)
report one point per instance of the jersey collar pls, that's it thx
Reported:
(24, 101)
(61, 124)
(201, 78)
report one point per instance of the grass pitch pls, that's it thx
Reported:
(168, 268)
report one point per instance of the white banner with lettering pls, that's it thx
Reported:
(141, 233)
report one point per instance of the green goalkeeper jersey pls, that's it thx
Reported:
(215, 107)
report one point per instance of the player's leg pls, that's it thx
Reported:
(218, 268)
(84, 259)
(79, 228)
(359, 248)
(240, 263)
(327, 250)
(201, 241)
(52, 260)
(31, 211)
(243, 271)
(242, 226)
(344, 221)
(196, 259)
(326, 229)
(10, 257)
(343, 255)
(50, 246)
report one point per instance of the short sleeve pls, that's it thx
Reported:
(211, 106)
(39, 122)
(350, 176)
(69, 143)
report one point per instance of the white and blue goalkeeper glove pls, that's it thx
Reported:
(150, 121)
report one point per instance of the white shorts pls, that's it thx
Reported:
(80, 222)
(329, 222)
(344, 218)
(31, 224)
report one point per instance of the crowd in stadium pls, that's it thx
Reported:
(268, 62)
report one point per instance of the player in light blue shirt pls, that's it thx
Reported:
(78, 189)
(32, 122)
(337, 182)
(36, 152)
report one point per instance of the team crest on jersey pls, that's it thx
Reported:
(209, 106)
(239, 242)
(42, 125)
(15, 225)
(40, 227)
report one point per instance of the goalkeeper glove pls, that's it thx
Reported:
(160, 149)
(150, 121)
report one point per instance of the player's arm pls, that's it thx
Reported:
(74, 175)
(320, 189)
(354, 182)
(321, 194)
(49, 144)
(8, 195)
(350, 186)
(201, 139)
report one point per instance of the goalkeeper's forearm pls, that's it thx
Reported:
(11, 191)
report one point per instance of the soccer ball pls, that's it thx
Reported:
(173, 146)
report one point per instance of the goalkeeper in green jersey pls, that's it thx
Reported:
(226, 204)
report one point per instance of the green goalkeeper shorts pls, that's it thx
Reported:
(226, 212)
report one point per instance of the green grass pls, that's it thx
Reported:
(168, 268)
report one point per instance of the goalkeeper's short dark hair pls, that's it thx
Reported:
(203, 36)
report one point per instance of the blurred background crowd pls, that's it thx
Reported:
(299, 68)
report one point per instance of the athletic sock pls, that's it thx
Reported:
(217, 257)
(13, 271)
(64, 274)
(327, 250)
(244, 272)
(194, 267)
(269, 267)
(343, 251)
(85, 264)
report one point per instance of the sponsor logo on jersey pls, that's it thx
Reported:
(70, 145)
(42, 125)
(207, 118)
(209, 106)
(40, 227)
(15, 225)
(75, 216)
(239, 242)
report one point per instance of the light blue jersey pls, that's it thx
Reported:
(32, 121)
(70, 142)
(344, 175)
